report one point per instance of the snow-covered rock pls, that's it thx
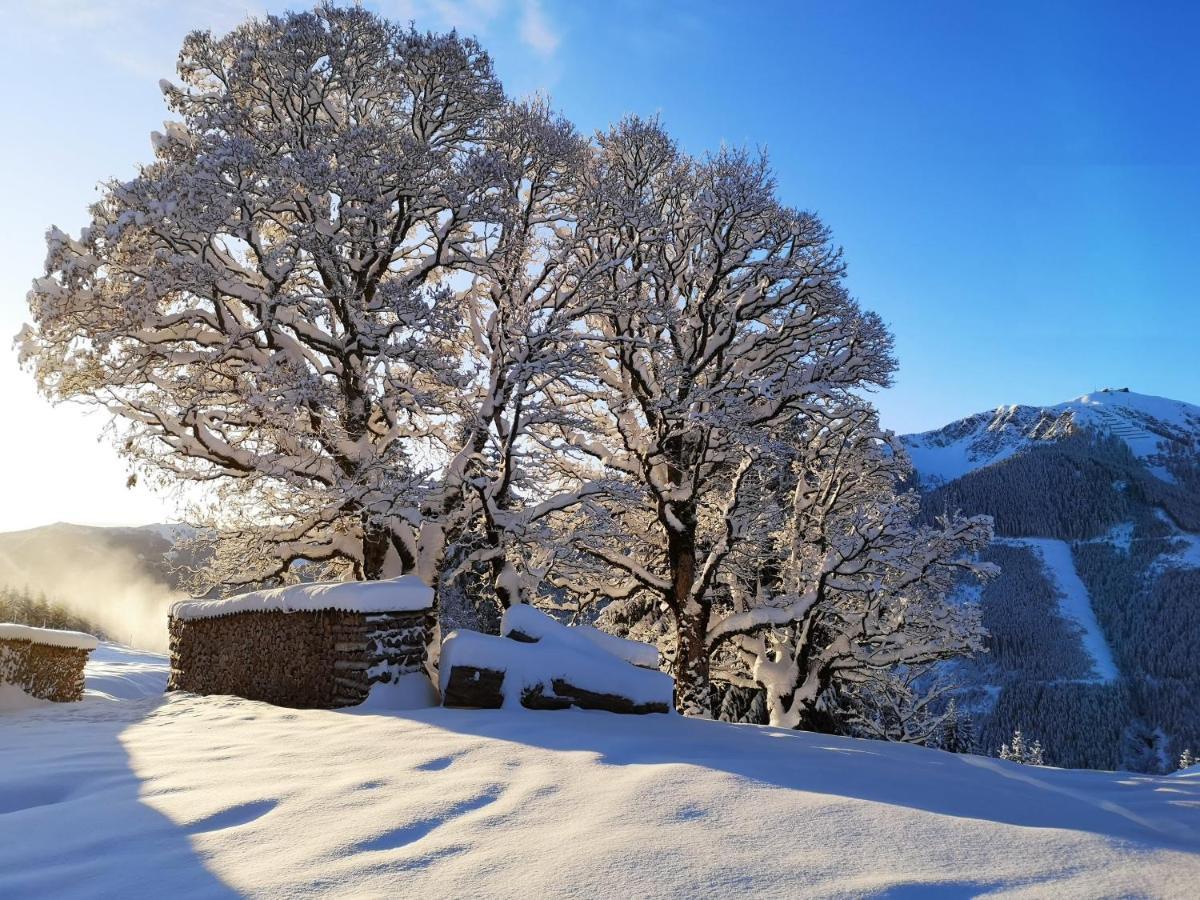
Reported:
(404, 594)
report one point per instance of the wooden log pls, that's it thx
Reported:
(475, 688)
(537, 698)
(469, 686)
(585, 699)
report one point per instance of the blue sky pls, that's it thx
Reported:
(1016, 185)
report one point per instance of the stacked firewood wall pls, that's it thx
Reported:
(43, 671)
(322, 659)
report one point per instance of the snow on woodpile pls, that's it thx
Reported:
(43, 663)
(404, 594)
(50, 637)
(524, 622)
(544, 665)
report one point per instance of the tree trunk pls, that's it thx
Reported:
(692, 689)
(376, 542)
(693, 692)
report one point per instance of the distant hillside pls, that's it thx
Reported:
(120, 578)
(1095, 619)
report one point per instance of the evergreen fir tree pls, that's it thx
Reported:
(1018, 751)
(957, 731)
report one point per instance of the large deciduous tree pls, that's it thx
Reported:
(727, 321)
(269, 306)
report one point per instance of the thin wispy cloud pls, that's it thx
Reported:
(536, 31)
(139, 36)
(481, 18)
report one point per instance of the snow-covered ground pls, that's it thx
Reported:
(182, 796)
(1188, 554)
(1074, 601)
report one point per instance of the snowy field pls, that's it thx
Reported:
(133, 794)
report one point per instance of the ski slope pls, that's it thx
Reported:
(1074, 602)
(131, 794)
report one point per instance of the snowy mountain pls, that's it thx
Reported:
(135, 794)
(1095, 618)
(1154, 429)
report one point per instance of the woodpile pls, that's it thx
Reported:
(542, 664)
(475, 688)
(312, 659)
(43, 671)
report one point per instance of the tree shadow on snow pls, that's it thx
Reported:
(73, 820)
(1118, 805)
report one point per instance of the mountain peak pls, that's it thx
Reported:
(1151, 426)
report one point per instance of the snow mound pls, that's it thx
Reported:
(412, 690)
(560, 655)
(1147, 424)
(523, 619)
(50, 637)
(404, 594)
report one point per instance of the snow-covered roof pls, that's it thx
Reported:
(573, 658)
(51, 637)
(404, 594)
(536, 624)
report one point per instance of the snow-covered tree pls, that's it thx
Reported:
(398, 323)
(334, 290)
(1018, 751)
(847, 587)
(1186, 759)
(726, 320)
(956, 731)
(894, 705)
(538, 272)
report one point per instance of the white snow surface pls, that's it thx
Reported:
(1188, 553)
(1074, 601)
(561, 654)
(14, 699)
(404, 594)
(537, 624)
(1188, 556)
(1144, 422)
(413, 690)
(199, 797)
(51, 637)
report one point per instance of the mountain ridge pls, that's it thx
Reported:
(1153, 428)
